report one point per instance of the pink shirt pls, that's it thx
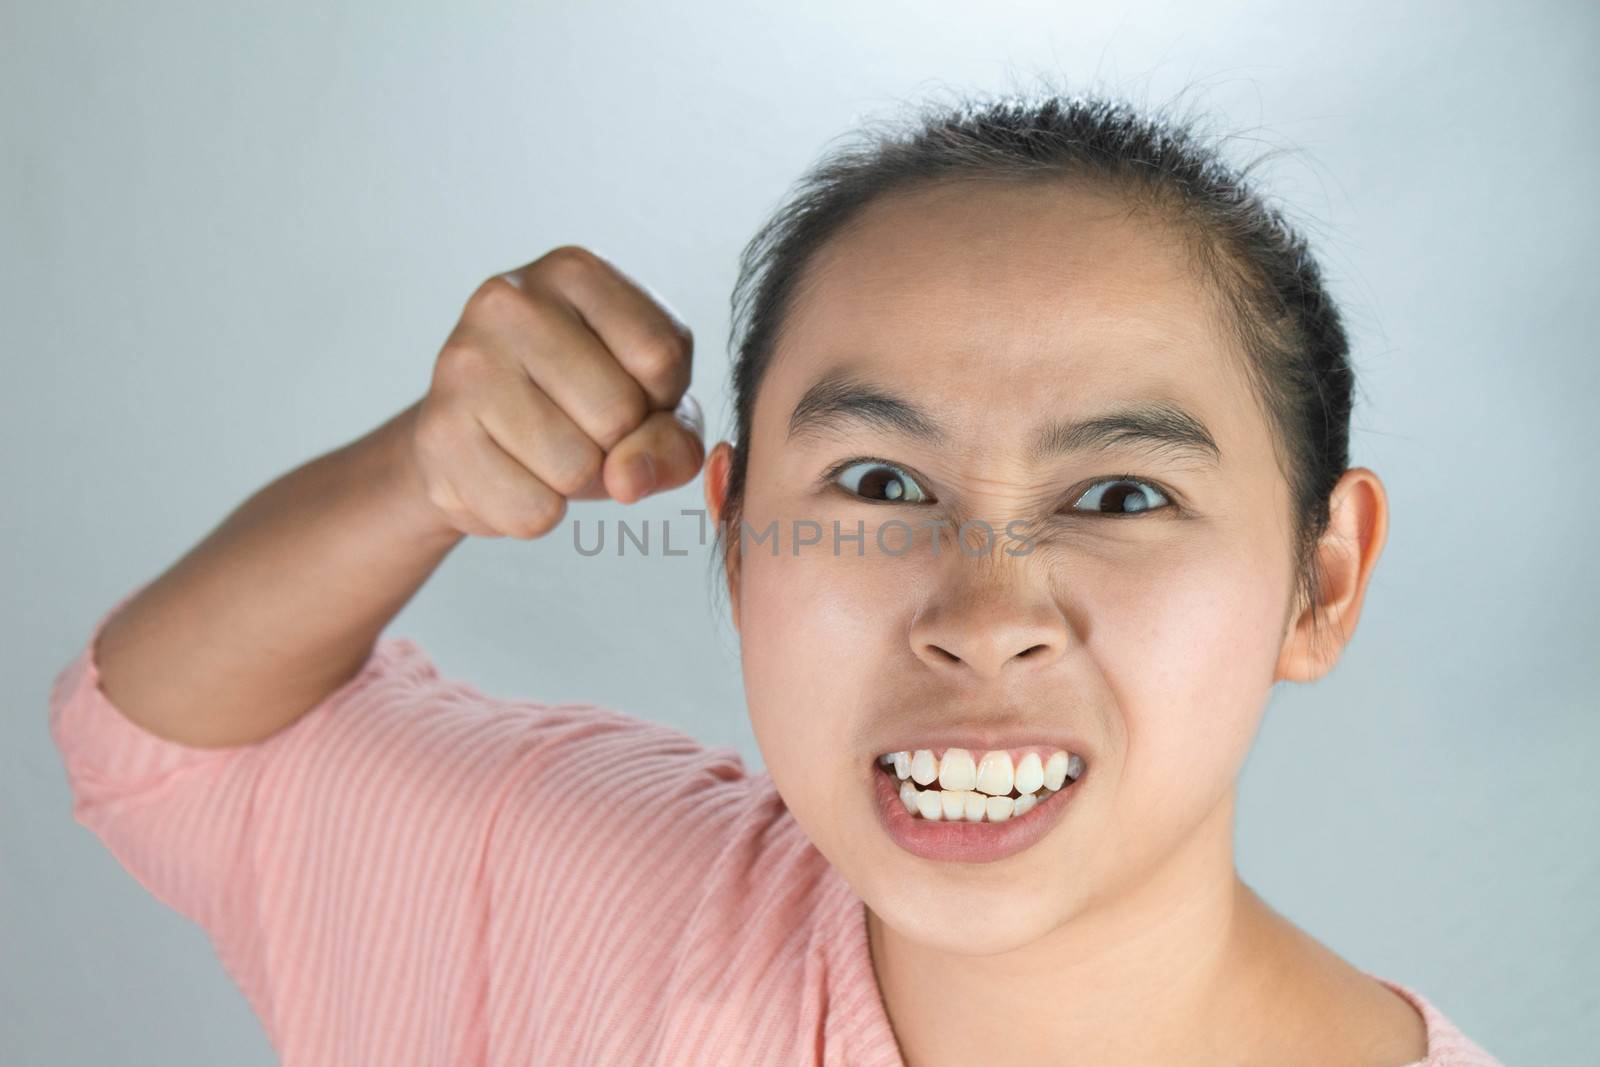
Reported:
(417, 873)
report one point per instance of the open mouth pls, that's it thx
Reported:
(952, 786)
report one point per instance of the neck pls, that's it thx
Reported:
(1145, 977)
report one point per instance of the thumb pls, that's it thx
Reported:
(663, 452)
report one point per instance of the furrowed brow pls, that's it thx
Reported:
(838, 401)
(1154, 425)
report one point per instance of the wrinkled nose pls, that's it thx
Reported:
(984, 630)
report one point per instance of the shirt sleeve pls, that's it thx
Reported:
(357, 849)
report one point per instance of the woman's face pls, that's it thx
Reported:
(1151, 635)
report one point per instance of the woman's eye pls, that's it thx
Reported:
(1123, 496)
(879, 481)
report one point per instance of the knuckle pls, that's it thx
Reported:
(493, 298)
(569, 261)
(461, 361)
(662, 354)
(577, 468)
(539, 517)
(621, 416)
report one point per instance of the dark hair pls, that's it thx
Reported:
(1270, 288)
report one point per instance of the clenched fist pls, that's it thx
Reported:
(563, 380)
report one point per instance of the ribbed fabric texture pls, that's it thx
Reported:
(417, 873)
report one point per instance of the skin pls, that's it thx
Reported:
(1125, 935)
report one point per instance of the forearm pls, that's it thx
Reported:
(282, 602)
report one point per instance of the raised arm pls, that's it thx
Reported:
(557, 378)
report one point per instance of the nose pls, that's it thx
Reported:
(991, 623)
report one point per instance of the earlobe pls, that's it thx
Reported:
(1358, 526)
(718, 465)
(718, 461)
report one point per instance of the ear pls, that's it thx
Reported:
(1358, 525)
(718, 464)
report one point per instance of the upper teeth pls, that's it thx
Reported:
(993, 774)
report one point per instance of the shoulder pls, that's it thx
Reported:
(1332, 1011)
(1365, 1019)
(1447, 1046)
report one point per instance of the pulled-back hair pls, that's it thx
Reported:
(1270, 290)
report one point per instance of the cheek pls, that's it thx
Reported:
(812, 643)
(1187, 643)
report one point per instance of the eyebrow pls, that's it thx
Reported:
(839, 400)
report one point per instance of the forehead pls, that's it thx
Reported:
(993, 301)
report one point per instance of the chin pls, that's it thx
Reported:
(969, 920)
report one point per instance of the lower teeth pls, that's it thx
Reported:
(967, 805)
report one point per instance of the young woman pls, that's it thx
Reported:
(1038, 487)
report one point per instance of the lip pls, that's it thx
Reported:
(965, 842)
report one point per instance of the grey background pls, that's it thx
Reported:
(230, 241)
